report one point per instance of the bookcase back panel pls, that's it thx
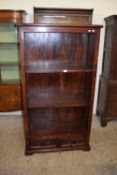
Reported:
(62, 19)
(57, 89)
(59, 49)
(63, 16)
(48, 121)
(64, 82)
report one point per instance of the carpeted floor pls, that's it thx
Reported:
(101, 160)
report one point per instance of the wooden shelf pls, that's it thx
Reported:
(10, 85)
(17, 82)
(9, 64)
(55, 99)
(54, 68)
(9, 42)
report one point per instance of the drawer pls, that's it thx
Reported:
(68, 141)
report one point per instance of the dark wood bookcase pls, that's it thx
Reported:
(107, 98)
(58, 68)
(10, 97)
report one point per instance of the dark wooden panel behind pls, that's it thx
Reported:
(63, 16)
(56, 47)
(108, 87)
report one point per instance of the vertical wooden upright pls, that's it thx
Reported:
(10, 97)
(107, 97)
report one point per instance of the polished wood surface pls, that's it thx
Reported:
(10, 96)
(58, 68)
(63, 15)
(107, 103)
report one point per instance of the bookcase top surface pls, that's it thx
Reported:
(111, 17)
(43, 9)
(12, 11)
(59, 25)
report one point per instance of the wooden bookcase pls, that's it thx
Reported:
(107, 98)
(58, 68)
(9, 60)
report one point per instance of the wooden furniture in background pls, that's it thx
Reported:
(9, 60)
(107, 98)
(63, 16)
(58, 68)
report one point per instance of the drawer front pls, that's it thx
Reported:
(9, 98)
(60, 142)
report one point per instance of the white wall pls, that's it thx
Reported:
(102, 9)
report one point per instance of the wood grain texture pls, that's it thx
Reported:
(9, 98)
(8, 15)
(57, 104)
(63, 16)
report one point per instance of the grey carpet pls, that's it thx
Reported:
(101, 160)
